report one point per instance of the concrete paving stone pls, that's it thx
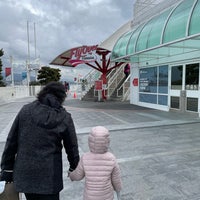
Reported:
(193, 156)
(193, 162)
(159, 193)
(167, 178)
(188, 188)
(87, 119)
(174, 198)
(135, 184)
(189, 175)
(167, 168)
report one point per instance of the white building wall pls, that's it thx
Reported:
(10, 93)
(134, 90)
(7, 94)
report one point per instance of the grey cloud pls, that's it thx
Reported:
(60, 25)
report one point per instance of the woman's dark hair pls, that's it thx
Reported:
(54, 88)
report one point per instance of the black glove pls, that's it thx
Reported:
(6, 176)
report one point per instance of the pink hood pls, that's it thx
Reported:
(99, 140)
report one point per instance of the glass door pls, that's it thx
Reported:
(184, 87)
(176, 86)
(192, 86)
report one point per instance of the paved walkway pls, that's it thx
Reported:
(158, 152)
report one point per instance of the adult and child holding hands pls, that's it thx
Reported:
(32, 156)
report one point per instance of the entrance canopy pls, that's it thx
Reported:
(94, 56)
(76, 56)
(173, 33)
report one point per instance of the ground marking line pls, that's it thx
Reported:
(120, 120)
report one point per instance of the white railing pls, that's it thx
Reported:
(124, 90)
(88, 81)
(114, 80)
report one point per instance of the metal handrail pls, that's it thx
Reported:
(90, 78)
(114, 80)
(124, 90)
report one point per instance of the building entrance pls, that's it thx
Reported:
(184, 87)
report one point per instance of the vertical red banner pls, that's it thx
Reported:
(8, 71)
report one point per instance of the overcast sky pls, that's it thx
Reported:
(59, 26)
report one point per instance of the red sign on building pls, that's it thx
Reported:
(99, 85)
(135, 82)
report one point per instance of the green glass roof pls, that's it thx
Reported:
(176, 26)
(175, 31)
(150, 35)
(195, 22)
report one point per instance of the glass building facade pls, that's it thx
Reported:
(165, 51)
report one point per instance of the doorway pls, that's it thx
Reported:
(184, 87)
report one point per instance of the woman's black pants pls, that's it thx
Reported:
(42, 196)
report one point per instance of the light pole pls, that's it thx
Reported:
(28, 62)
(12, 71)
(28, 73)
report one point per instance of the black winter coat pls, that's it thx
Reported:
(34, 148)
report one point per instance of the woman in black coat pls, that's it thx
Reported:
(32, 157)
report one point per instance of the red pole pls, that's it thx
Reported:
(104, 74)
(104, 80)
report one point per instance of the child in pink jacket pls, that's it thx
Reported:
(99, 167)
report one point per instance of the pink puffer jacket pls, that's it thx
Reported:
(99, 167)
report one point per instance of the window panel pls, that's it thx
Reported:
(124, 43)
(133, 40)
(162, 100)
(176, 77)
(154, 37)
(148, 80)
(195, 22)
(153, 82)
(163, 79)
(192, 104)
(148, 98)
(175, 102)
(177, 24)
(192, 77)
